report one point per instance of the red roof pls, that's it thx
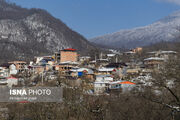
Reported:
(11, 78)
(127, 82)
(23, 102)
(70, 49)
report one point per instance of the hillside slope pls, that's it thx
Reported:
(25, 33)
(162, 30)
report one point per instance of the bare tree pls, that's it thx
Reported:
(166, 87)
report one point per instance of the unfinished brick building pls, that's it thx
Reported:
(68, 55)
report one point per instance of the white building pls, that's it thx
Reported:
(104, 78)
(102, 83)
(13, 70)
(106, 71)
(11, 81)
(100, 87)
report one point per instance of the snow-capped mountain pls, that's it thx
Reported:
(25, 33)
(165, 29)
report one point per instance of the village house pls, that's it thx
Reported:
(20, 65)
(92, 64)
(163, 54)
(42, 60)
(111, 56)
(65, 67)
(123, 86)
(100, 87)
(153, 62)
(104, 78)
(84, 58)
(101, 83)
(133, 72)
(87, 73)
(115, 86)
(12, 70)
(46, 61)
(119, 69)
(168, 54)
(138, 50)
(36, 69)
(102, 62)
(105, 71)
(134, 51)
(68, 55)
(129, 53)
(119, 65)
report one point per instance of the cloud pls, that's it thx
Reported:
(170, 1)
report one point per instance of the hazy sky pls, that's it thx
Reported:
(93, 18)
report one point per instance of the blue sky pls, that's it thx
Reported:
(93, 18)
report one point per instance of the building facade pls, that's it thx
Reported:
(68, 55)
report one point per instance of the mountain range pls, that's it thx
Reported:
(25, 33)
(166, 29)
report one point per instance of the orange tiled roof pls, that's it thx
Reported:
(70, 49)
(127, 82)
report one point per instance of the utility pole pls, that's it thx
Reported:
(42, 77)
(95, 58)
(116, 59)
(33, 70)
